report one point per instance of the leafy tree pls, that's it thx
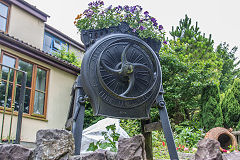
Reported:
(230, 62)
(231, 106)
(188, 64)
(211, 112)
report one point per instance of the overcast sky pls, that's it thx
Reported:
(221, 18)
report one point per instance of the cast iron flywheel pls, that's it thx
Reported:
(121, 75)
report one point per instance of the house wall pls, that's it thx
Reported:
(26, 27)
(60, 84)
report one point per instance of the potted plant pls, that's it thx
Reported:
(97, 20)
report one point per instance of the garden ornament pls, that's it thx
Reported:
(121, 77)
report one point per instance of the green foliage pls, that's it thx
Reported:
(109, 140)
(230, 106)
(229, 70)
(210, 110)
(89, 119)
(188, 65)
(97, 16)
(131, 126)
(160, 150)
(68, 56)
(188, 136)
(189, 34)
(233, 148)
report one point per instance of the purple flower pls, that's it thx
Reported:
(146, 13)
(120, 7)
(164, 42)
(155, 24)
(90, 4)
(153, 20)
(142, 28)
(132, 9)
(95, 3)
(101, 2)
(160, 27)
(140, 21)
(134, 30)
(89, 13)
(126, 8)
(86, 12)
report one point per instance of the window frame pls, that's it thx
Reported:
(31, 114)
(8, 15)
(53, 39)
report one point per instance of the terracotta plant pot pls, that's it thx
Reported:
(224, 136)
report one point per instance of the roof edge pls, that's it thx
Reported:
(31, 9)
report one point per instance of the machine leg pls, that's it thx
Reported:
(166, 125)
(168, 134)
(78, 117)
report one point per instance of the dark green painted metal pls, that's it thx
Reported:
(5, 103)
(21, 106)
(166, 125)
(12, 108)
(78, 117)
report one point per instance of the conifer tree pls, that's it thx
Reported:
(231, 106)
(211, 112)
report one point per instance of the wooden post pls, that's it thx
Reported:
(148, 139)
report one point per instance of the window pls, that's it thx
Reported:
(4, 12)
(53, 44)
(36, 85)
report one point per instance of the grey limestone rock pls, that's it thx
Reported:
(15, 152)
(54, 144)
(231, 156)
(208, 149)
(131, 148)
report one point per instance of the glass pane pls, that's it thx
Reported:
(47, 43)
(3, 24)
(38, 103)
(27, 67)
(41, 79)
(8, 61)
(3, 10)
(27, 99)
(3, 92)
